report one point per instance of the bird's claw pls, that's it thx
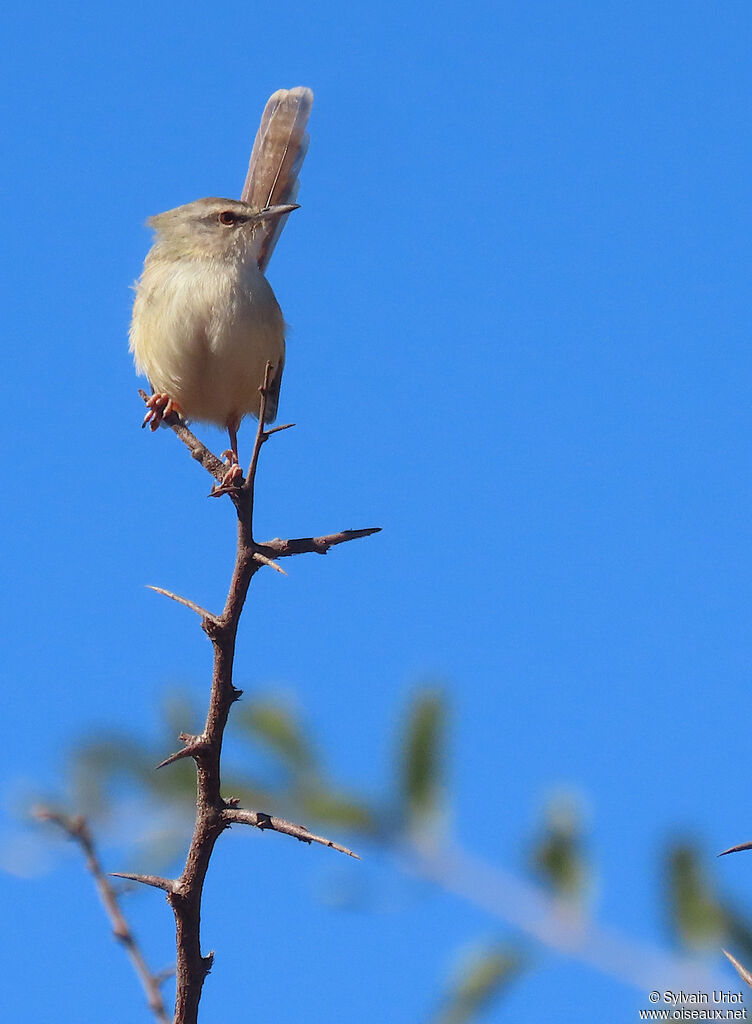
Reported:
(232, 479)
(159, 406)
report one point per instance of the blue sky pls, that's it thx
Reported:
(518, 290)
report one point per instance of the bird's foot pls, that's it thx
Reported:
(232, 479)
(160, 405)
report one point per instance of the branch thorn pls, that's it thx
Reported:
(182, 600)
(258, 557)
(736, 849)
(192, 747)
(166, 884)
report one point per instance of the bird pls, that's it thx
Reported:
(205, 320)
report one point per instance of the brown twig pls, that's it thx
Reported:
(213, 814)
(77, 829)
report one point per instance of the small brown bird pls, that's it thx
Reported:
(205, 319)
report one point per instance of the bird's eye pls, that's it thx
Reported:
(228, 218)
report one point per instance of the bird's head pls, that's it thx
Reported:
(213, 228)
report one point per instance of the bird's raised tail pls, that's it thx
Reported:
(278, 153)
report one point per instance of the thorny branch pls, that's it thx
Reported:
(75, 828)
(213, 813)
(237, 816)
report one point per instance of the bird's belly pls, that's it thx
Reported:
(226, 366)
(204, 338)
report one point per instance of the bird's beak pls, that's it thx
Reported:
(276, 211)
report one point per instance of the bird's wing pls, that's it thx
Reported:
(278, 153)
(272, 396)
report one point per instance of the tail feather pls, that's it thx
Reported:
(278, 153)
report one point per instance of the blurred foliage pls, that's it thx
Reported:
(106, 771)
(422, 760)
(326, 805)
(701, 919)
(272, 764)
(276, 727)
(480, 978)
(557, 856)
(306, 789)
(696, 915)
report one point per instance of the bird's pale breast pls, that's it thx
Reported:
(203, 331)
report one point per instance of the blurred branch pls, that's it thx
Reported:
(77, 829)
(483, 975)
(557, 856)
(213, 814)
(422, 761)
(554, 924)
(551, 913)
(696, 914)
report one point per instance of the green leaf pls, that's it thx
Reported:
(181, 714)
(738, 929)
(95, 764)
(485, 973)
(332, 808)
(277, 728)
(422, 758)
(696, 914)
(558, 855)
